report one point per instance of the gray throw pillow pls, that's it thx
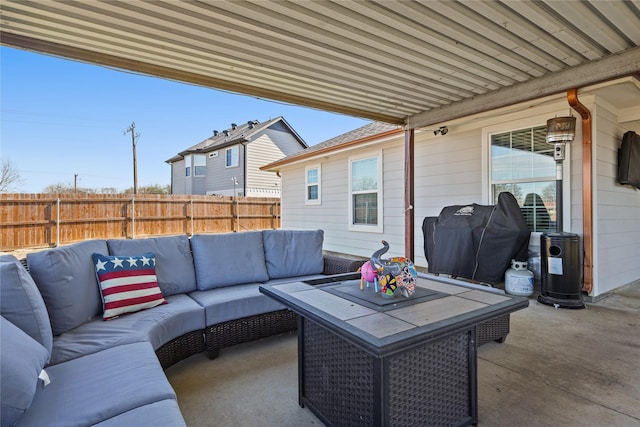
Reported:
(291, 253)
(174, 262)
(22, 304)
(21, 362)
(67, 281)
(228, 259)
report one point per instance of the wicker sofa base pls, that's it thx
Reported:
(180, 348)
(226, 334)
(246, 329)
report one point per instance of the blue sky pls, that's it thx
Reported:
(60, 118)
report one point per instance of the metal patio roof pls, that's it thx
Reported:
(407, 62)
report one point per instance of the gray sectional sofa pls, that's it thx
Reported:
(62, 364)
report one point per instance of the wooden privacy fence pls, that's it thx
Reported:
(35, 220)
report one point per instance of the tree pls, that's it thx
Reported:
(8, 176)
(108, 190)
(549, 193)
(67, 188)
(58, 188)
(514, 189)
(151, 189)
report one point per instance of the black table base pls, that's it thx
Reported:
(430, 384)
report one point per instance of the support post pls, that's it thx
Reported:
(409, 238)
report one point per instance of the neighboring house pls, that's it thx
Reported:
(352, 186)
(228, 163)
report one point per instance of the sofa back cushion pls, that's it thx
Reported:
(22, 304)
(174, 262)
(21, 363)
(228, 259)
(66, 278)
(291, 253)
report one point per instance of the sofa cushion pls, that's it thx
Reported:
(22, 304)
(99, 386)
(21, 362)
(9, 258)
(164, 413)
(157, 325)
(127, 283)
(228, 259)
(67, 281)
(291, 253)
(234, 302)
(174, 262)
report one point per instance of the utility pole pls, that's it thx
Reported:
(134, 138)
(75, 182)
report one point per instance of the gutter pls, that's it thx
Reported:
(273, 167)
(587, 188)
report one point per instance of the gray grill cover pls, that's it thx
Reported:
(476, 242)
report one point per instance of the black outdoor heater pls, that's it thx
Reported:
(560, 257)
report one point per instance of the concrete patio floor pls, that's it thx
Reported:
(558, 367)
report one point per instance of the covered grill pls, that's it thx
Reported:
(476, 242)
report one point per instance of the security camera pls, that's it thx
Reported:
(442, 130)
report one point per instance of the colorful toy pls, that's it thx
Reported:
(395, 274)
(368, 275)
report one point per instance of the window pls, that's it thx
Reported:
(232, 156)
(522, 163)
(312, 183)
(365, 179)
(187, 165)
(199, 164)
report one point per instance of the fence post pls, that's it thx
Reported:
(191, 214)
(133, 218)
(58, 222)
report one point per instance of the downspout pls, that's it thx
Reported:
(587, 188)
(409, 238)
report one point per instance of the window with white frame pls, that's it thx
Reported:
(199, 164)
(312, 185)
(365, 189)
(187, 165)
(232, 156)
(522, 163)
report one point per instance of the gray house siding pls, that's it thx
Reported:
(220, 177)
(268, 147)
(198, 185)
(454, 169)
(332, 214)
(617, 236)
(178, 179)
(257, 144)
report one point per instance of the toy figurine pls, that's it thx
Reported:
(368, 275)
(395, 274)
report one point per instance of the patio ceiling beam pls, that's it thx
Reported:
(615, 66)
(107, 60)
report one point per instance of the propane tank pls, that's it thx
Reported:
(518, 280)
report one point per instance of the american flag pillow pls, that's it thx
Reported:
(127, 283)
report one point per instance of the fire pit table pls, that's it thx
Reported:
(368, 360)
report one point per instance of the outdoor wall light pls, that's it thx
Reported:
(442, 130)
